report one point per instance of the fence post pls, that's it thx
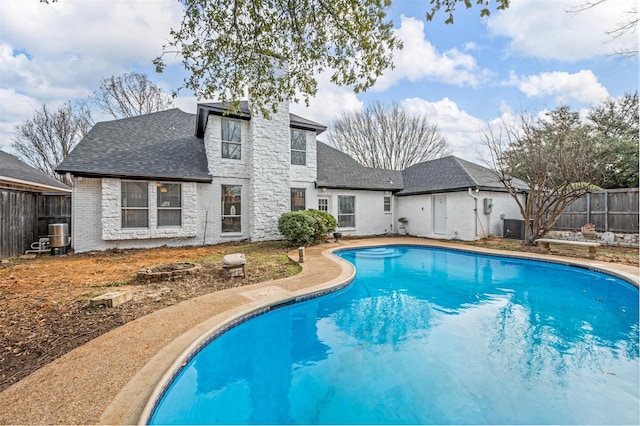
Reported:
(588, 207)
(606, 211)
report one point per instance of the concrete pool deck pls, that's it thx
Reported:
(110, 379)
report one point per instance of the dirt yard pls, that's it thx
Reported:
(45, 302)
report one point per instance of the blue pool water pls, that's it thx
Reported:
(423, 336)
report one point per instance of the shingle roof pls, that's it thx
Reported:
(15, 171)
(159, 145)
(162, 145)
(219, 108)
(338, 170)
(447, 174)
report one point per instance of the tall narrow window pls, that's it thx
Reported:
(387, 204)
(298, 147)
(231, 139)
(169, 196)
(231, 208)
(134, 202)
(297, 199)
(346, 211)
(323, 204)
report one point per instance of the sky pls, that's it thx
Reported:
(532, 57)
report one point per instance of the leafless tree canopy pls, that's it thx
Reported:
(130, 95)
(628, 23)
(556, 156)
(388, 138)
(44, 140)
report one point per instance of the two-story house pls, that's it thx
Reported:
(173, 178)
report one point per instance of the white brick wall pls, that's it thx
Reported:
(226, 167)
(371, 219)
(86, 212)
(308, 172)
(460, 217)
(270, 173)
(96, 218)
(111, 214)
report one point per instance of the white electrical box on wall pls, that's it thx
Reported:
(488, 205)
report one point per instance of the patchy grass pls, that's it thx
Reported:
(613, 254)
(45, 308)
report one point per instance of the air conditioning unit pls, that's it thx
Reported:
(513, 229)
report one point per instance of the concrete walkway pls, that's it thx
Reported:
(110, 379)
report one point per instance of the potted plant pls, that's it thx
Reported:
(403, 223)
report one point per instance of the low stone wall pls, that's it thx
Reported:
(604, 238)
(170, 271)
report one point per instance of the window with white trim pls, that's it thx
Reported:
(231, 208)
(387, 204)
(323, 204)
(169, 196)
(298, 199)
(231, 139)
(298, 147)
(346, 211)
(134, 204)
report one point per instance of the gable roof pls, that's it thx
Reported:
(160, 145)
(19, 175)
(219, 108)
(339, 170)
(448, 174)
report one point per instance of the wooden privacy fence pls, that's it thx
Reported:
(25, 217)
(611, 210)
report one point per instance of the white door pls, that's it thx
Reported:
(440, 214)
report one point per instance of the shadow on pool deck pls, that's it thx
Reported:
(110, 379)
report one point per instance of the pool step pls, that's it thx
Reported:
(378, 253)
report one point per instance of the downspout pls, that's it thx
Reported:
(69, 176)
(475, 210)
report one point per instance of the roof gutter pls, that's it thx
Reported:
(34, 184)
(133, 176)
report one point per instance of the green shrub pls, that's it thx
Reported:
(306, 227)
(325, 223)
(297, 228)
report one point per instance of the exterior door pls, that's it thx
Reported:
(440, 214)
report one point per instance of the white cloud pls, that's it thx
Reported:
(59, 52)
(546, 30)
(115, 31)
(62, 49)
(419, 59)
(329, 103)
(14, 109)
(462, 130)
(564, 87)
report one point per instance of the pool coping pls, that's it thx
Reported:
(113, 378)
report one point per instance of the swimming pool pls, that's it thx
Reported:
(427, 335)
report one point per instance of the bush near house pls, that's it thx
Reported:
(306, 227)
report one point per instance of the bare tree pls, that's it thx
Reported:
(45, 139)
(629, 23)
(130, 95)
(555, 155)
(388, 138)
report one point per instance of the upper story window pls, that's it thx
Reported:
(134, 204)
(346, 211)
(387, 204)
(298, 147)
(297, 199)
(231, 139)
(231, 208)
(169, 196)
